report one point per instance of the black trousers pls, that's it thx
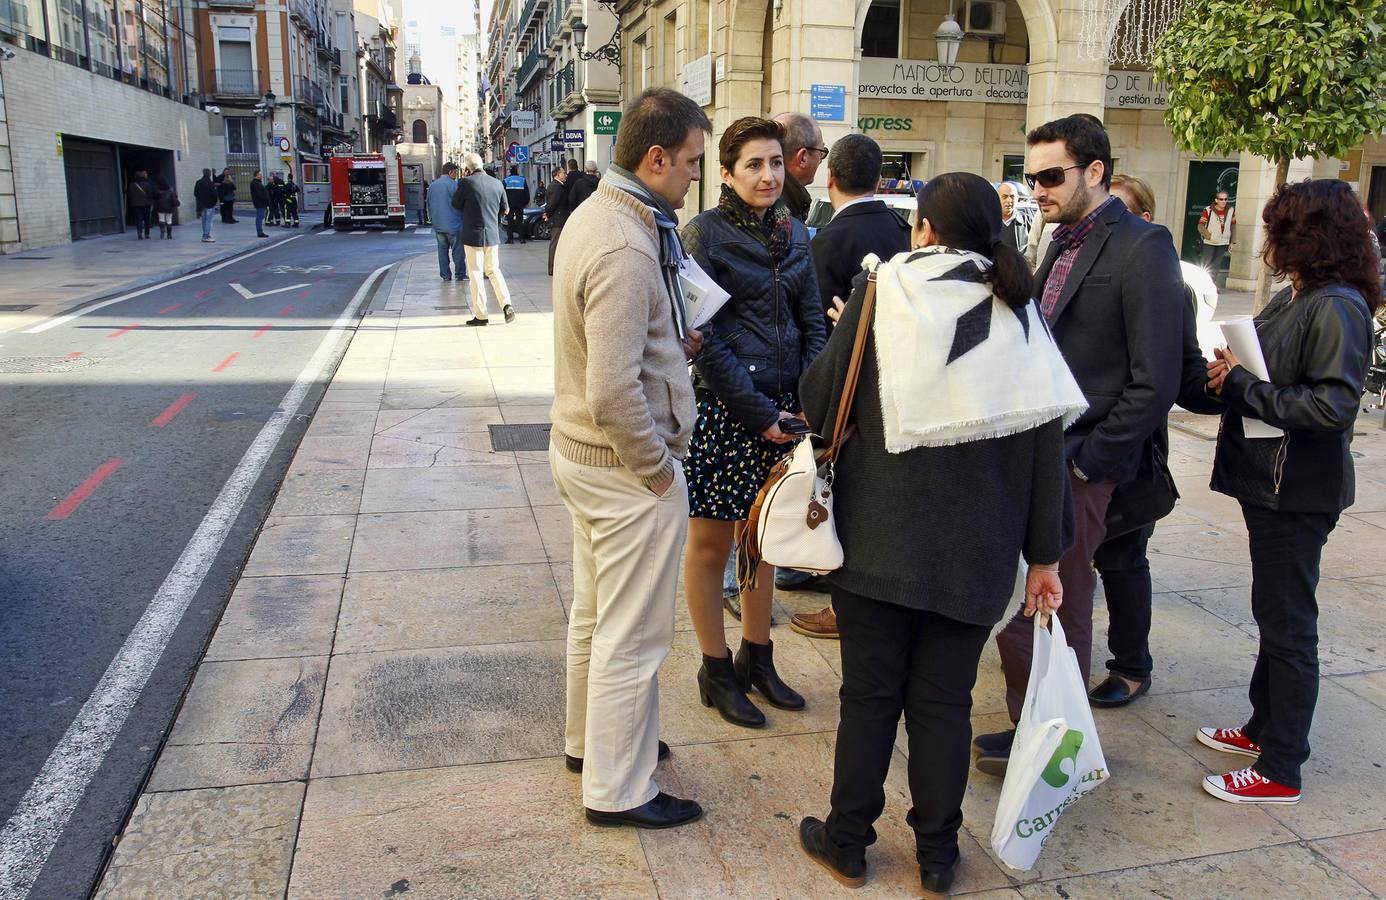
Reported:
(1286, 548)
(1125, 571)
(554, 232)
(228, 208)
(515, 225)
(897, 659)
(143, 215)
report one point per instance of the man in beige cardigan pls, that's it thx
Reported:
(622, 414)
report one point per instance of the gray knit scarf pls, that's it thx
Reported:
(670, 247)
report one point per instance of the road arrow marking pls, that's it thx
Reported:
(248, 294)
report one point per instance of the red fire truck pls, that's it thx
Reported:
(367, 189)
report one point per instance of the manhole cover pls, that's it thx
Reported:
(15, 307)
(43, 365)
(520, 437)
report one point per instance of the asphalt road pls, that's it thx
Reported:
(111, 463)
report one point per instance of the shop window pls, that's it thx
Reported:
(241, 135)
(1012, 167)
(880, 35)
(420, 135)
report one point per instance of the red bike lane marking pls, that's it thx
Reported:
(169, 309)
(126, 330)
(262, 330)
(174, 409)
(286, 310)
(205, 292)
(221, 366)
(84, 490)
(74, 354)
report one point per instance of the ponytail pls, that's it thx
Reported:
(1011, 280)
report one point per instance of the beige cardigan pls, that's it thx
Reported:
(622, 393)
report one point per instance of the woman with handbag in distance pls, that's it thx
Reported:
(747, 376)
(955, 472)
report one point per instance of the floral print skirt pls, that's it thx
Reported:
(726, 464)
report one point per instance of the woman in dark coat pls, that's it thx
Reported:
(226, 192)
(754, 351)
(956, 472)
(1316, 339)
(165, 206)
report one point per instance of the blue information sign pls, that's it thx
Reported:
(521, 153)
(574, 135)
(828, 102)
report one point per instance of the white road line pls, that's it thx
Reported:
(327, 231)
(62, 320)
(47, 806)
(424, 231)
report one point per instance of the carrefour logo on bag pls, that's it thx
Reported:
(1056, 775)
(1067, 751)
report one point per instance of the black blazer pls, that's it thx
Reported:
(838, 248)
(1118, 322)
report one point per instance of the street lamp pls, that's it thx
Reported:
(949, 38)
(609, 53)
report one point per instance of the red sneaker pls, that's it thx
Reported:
(1249, 786)
(1228, 740)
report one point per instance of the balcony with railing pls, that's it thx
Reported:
(561, 87)
(309, 94)
(304, 12)
(530, 16)
(236, 83)
(532, 64)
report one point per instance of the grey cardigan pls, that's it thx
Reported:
(935, 528)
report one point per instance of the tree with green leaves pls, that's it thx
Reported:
(1281, 79)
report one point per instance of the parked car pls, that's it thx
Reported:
(535, 226)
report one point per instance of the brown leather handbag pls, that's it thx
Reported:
(791, 522)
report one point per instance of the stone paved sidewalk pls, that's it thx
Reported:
(380, 710)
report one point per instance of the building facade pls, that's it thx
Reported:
(97, 90)
(380, 95)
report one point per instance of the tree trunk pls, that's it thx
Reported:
(1282, 174)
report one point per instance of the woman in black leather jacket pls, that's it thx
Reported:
(754, 351)
(1316, 338)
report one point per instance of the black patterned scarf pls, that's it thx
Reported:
(772, 229)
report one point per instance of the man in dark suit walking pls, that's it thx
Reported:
(1110, 288)
(556, 210)
(481, 199)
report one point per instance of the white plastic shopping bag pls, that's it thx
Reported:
(1056, 757)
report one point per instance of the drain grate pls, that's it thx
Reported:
(520, 437)
(15, 307)
(44, 365)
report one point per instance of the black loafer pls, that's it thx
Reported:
(938, 884)
(996, 742)
(663, 811)
(1114, 691)
(994, 762)
(813, 838)
(476, 322)
(574, 763)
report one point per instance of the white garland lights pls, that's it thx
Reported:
(1124, 32)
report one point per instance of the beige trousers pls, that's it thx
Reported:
(485, 261)
(627, 545)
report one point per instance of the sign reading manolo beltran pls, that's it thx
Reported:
(908, 79)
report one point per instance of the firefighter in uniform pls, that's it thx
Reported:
(517, 197)
(291, 195)
(276, 200)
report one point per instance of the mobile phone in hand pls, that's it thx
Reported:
(796, 427)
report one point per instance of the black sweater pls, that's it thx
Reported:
(936, 528)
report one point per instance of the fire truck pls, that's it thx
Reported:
(367, 189)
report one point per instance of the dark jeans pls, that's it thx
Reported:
(1017, 640)
(899, 659)
(260, 221)
(143, 214)
(228, 212)
(1285, 551)
(1125, 571)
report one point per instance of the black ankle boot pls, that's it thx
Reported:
(718, 686)
(755, 668)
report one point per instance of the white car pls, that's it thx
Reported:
(821, 213)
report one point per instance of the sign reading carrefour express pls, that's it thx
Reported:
(908, 79)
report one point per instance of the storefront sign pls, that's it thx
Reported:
(884, 123)
(828, 102)
(574, 137)
(697, 80)
(907, 79)
(524, 119)
(606, 122)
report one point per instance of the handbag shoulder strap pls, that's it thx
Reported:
(849, 385)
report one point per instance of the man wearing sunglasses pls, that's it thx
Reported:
(1110, 288)
(803, 154)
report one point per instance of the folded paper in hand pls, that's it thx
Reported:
(1241, 337)
(702, 296)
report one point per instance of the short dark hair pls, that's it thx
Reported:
(742, 132)
(1084, 138)
(965, 212)
(799, 132)
(572, 165)
(855, 161)
(1315, 229)
(659, 117)
(449, 168)
(514, 170)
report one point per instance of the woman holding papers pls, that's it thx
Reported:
(754, 350)
(1315, 339)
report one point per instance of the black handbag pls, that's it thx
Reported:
(1146, 499)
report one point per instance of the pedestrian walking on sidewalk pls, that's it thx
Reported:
(226, 193)
(165, 207)
(758, 345)
(447, 224)
(205, 196)
(556, 211)
(581, 185)
(481, 200)
(292, 192)
(959, 448)
(517, 197)
(622, 412)
(260, 198)
(1316, 337)
(139, 194)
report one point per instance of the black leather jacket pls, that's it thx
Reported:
(763, 339)
(1317, 347)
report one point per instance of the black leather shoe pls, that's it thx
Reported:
(663, 811)
(574, 763)
(995, 742)
(813, 837)
(938, 884)
(718, 686)
(509, 312)
(476, 322)
(755, 668)
(1114, 691)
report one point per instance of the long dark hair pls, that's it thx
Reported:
(1315, 230)
(965, 211)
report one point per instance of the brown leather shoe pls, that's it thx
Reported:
(822, 624)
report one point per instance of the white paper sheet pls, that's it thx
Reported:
(701, 295)
(1241, 338)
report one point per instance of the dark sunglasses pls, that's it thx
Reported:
(1051, 178)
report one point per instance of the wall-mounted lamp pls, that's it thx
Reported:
(948, 38)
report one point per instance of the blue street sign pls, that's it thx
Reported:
(574, 136)
(521, 154)
(557, 144)
(828, 102)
